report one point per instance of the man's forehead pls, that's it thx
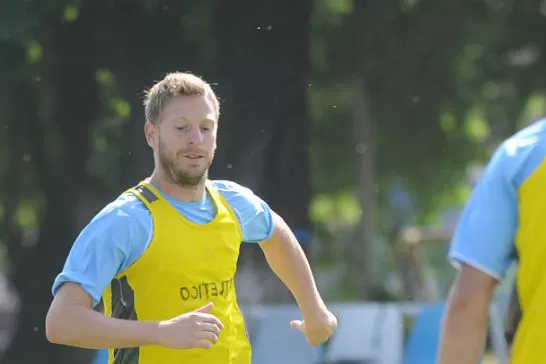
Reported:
(206, 119)
(191, 108)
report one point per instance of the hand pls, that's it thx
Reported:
(317, 328)
(196, 329)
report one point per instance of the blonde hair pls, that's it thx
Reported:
(176, 84)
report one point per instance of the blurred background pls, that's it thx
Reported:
(364, 123)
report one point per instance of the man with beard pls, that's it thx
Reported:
(162, 256)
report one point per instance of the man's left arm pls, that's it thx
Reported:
(259, 224)
(287, 260)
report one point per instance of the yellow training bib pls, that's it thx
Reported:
(529, 343)
(185, 266)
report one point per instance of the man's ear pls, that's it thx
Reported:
(150, 132)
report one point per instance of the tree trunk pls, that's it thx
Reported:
(69, 71)
(263, 67)
(362, 255)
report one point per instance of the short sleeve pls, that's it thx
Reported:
(254, 214)
(109, 244)
(484, 237)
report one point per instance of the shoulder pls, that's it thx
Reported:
(521, 154)
(253, 213)
(237, 195)
(126, 215)
(114, 238)
(226, 186)
(125, 207)
(485, 233)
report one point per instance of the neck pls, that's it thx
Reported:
(176, 191)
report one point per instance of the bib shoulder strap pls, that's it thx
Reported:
(144, 192)
(213, 191)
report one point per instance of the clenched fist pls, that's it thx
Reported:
(317, 328)
(196, 329)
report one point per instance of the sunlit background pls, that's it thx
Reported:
(365, 124)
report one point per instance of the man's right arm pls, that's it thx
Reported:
(111, 242)
(72, 321)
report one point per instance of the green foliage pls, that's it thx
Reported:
(441, 94)
(107, 132)
(22, 21)
(71, 13)
(121, 107)
(34, 52)
(475, 127)
(104, 77)
(534, 108)
(331, 139)
(337, 7)
(444, 81)
(27, 215)
(341, 208)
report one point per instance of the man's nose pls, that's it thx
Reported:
(195, 135)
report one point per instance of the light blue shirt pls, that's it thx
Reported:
(484, 238)
(119, 234)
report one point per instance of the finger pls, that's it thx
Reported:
(298, 325)
(206, 326)
(207, 335)
(200, 343)
(212, 319)
(206, 308)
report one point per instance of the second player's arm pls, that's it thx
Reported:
(466, 319)
(483, 247)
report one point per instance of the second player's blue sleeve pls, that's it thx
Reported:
(484, 238)
(109, 244)
(254, 214)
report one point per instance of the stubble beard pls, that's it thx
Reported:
(175, 174)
